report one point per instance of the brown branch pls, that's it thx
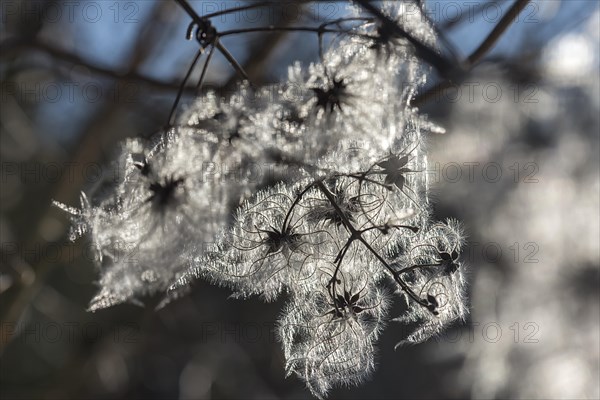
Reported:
(477, 8)
(489, 42)
(497, 32)
(9, 48)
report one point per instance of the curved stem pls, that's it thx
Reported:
(231, 59)
(205, 67)
(290, 29)
(181, 88)
(408, 269)
(294, 204)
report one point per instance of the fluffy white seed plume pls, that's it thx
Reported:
(328, 335)
(431, 267)
(327, 174)
(161, 211)
(270, 247)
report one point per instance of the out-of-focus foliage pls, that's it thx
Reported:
(543, 214)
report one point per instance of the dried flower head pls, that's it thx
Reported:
(340, 220)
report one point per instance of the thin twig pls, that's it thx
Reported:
(489, 42)
(10, 47)
(497, 32)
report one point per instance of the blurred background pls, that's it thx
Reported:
(518, 165)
